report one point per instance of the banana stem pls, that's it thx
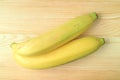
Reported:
(13, 45)
(102, 41)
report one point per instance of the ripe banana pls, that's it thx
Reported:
(55, 38)
(76, 49)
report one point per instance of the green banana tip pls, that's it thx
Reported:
(12, 44)
(94, 15)
(102, 41)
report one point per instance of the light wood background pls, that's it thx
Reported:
(23, 19)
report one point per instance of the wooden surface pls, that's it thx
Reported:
(23, 19)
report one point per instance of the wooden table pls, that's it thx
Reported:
(24, 19)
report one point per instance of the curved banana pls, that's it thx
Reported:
(56, 37)
(76, 49)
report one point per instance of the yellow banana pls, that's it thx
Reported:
(76, 49)
(56, 37)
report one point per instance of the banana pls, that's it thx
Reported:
(74, 50)
(55, 38)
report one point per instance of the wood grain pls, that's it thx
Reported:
(23, 19)
(36, 16)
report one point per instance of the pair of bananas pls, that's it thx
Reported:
(55, 47)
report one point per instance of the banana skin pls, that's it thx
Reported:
(55, 38)
(74, 50)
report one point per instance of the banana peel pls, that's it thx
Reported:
(55, 38)
(74, 50)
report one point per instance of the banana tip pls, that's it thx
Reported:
(102, 41)
(94, 15)
(12, 44)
